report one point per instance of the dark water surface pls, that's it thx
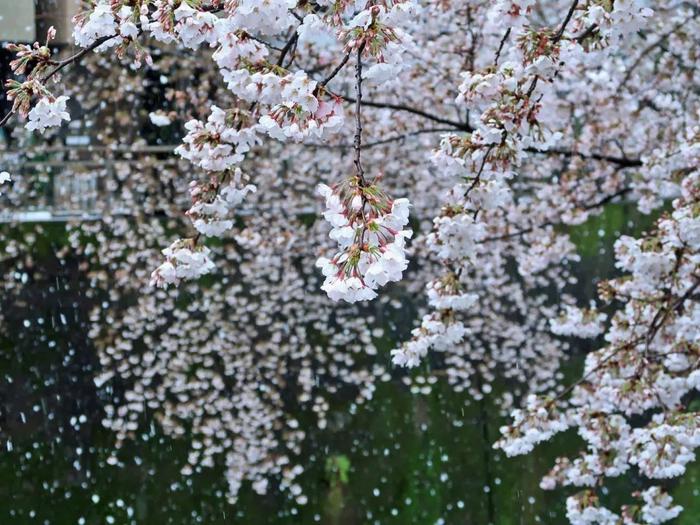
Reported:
(400, 459)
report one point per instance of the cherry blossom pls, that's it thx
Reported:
(505, 125)
(182, 262)
(48, 114)
(580, 323)
(368, 227)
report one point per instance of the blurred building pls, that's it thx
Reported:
(17, 20)
(28, 20)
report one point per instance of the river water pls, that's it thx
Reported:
(399, 459)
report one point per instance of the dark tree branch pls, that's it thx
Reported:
(500, 47)
(337, 70)
(369, 145)
(566, 21)
(602, 202)
(358, 116)
(408, 109)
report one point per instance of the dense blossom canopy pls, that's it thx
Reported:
(486, 126)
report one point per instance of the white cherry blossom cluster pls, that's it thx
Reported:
(584, 509)
(608, 438)
(662, 449)
(433, 334)
(48, 113)
(233, 53)
(619, 20)
(657, 507)
(194, 27)
(217, 144)
(369, 229)
(537, 422)
(31, 98)
(98, 23)
(511, 13)
(213, 210)
(446, 294)
(183, 261)
(269, 17)
(440, 331)
(585, 323)
(299, 114)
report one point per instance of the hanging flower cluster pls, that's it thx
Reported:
(212, 209)
(584, 323)
(369, 229)
(31, 98)
(48, 113)
(183, 261)
(300, 114)
(440, 331)
(218, 144)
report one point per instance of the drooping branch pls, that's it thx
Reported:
(566, 21)
(336, 70)
(74, 59)
(358, 116)
(376, 143)
(280, 60)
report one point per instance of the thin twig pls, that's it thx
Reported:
(337, 70)
(602, 202)
(566, 21)
(408, 109)
(588, 32)
(382, 142)
(358, 116)
(649, 49)
(500, 47)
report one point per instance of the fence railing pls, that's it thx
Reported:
(66, 182)
(72, 183)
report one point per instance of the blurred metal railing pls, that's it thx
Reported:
(66, 182)
(68, 189)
